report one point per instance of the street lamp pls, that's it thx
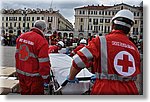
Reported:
(88, 21)
(24, 13)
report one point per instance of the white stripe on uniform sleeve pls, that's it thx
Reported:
(43, 59)
(86, 53)
(78, 61)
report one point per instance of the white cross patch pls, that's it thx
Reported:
(124, 63)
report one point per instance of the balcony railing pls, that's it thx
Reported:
(10, 27)
(81, 30)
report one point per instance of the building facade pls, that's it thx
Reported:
(93, 19)
(21, 20)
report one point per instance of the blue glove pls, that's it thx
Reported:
(46, 85)
(93, 77)
(46, 89)
(72, 81)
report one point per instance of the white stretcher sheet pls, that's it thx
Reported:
(60, 65)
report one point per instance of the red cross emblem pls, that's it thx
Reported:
(23, 52)
(125, 63)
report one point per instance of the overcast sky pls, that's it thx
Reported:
(66, 7)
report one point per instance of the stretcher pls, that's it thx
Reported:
(60, 68)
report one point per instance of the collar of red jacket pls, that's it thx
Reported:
(117, 32)
(34, 29)
(120, 32)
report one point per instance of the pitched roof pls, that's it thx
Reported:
(102, 7)
(93, 7)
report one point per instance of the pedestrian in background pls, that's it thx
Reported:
(116, 59)
(54, 38)
(32, 61)
(83, 42)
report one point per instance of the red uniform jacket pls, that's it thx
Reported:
(116, 63)
(31, 55)
(53, 49)
(77, 49)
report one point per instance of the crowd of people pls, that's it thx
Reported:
(8, 39)
(114, 58)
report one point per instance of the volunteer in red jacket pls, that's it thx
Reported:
(32, 61)
(116, 59)
(83, 42)
(54, 38)
(55, 48)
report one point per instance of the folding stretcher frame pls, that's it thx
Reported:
(60, 65)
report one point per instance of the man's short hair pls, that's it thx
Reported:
(125, 29)
(40, 24)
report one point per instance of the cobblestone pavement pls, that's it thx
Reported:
(8, 56)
